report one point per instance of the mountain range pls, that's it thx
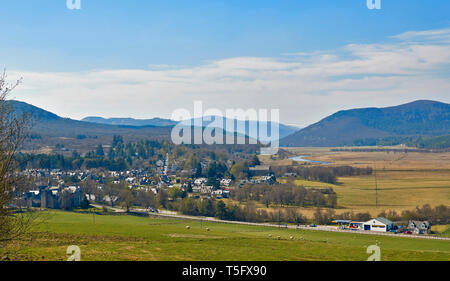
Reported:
(241, 127)
(418, 118)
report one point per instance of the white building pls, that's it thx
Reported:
(226, 182)
(378, 224)
(200, 181)
(217, 193)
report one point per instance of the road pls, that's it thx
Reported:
(174, 215)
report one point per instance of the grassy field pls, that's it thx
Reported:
(441, 230)
(128, 238)
(405, 180)
(397, 190)
(382, 160)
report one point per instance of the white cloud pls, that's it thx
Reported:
(437, 35)
(305, 87)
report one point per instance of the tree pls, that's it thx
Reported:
(189, 187)
(126, 197)
(221, 210)
(84, 204)
(198, 172)
(206, 207)
(177, 192)
(255, 161)
(99, 151)
(65, 200)
(189, 207)
(325, 217)
(162, 198)
(239, 170)
(146, 199)
(13, 132)
(111, 191)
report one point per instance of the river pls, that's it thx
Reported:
(301, 158)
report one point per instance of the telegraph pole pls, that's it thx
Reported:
(279, 218)
(376, 184)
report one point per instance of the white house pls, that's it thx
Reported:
(378, 224)
(419, 227)
(226, 182)
(130, 179)
(200, 181)
(217, 193)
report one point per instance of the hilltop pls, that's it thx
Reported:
(418, 118)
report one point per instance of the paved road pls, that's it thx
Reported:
(174, 215)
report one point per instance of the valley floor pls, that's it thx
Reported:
(404, 180)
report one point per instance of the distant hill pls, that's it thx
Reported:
(49, 124)
(157, 122)
(419, 118)
(50, 130)
(241, 127)
(284, 130)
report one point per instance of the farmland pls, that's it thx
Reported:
(405, 180)
(129, 238)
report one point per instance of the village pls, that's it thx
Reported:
(59, 189)
(67, 190)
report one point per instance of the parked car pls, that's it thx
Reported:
(312, 225)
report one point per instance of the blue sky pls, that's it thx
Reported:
(42, 36)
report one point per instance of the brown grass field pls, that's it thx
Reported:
(405, 180)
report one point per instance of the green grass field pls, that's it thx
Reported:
(125, 238)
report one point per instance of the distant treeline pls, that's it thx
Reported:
(438, 142)
(57, 161)
(322, 174)
(437, 215)
(287, 194)
(121, 156)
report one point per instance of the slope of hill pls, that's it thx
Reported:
(419, 118)
(49, 128)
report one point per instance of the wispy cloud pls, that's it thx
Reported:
(439, 35)
(304, 86)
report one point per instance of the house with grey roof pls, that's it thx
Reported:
(419, 227)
